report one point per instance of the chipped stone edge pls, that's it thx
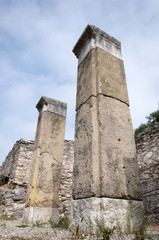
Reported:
(51, 105)
(93, 37)
(126, 214)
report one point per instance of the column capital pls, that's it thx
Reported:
(93, 37)
(51, 105)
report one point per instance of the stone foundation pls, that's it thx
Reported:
(123, 214)
(36, 215)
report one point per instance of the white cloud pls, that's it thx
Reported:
(36, 42)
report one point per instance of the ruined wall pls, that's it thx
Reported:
(14, 175)
(65, 194)
(15, 171)
(147, 144)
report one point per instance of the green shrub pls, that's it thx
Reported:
(140, 235)
(103, 231)
(141, 128)
(151, 119)
(63, 223)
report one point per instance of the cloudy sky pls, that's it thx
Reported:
(36, 59)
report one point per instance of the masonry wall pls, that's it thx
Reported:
(65, 194)
(147, 144)
(14, 175)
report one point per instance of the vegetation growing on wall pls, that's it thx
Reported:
(151, 119)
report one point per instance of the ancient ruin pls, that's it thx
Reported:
(105, 177)
(97, 175)
(43, 189)
(14, 177)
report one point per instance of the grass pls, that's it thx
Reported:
(141, 234)
(22, 238)
(22, 226)
(63, 223)
(7, 218)
(102, 232)
(37, 224)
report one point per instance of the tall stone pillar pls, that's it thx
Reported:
(43, 188)
(106, 181)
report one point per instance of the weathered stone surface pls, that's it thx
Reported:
(22, 150)
(52, 105)
(93, 37)
(66, 179)
(46, 178)
(105, 165)
(18, 160)
(123, 214)
(43, 187)
(147, 144)
(65, 193)
(40, 215)
(15, 174)
(2, 191)
(105, 151)
(153, 232)
(101, 73)
(49, 124)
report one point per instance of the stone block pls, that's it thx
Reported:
(150, 185)
(49, 125)
(101, 73)
(45, 181)
(125, 215)
(151, 206)
(51, 105)
(36, 215)
(93, 37)
(105, 152)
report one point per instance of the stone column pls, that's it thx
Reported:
(106, 181)
(43, 188)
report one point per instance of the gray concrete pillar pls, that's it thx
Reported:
(43, 188)
(106, 180)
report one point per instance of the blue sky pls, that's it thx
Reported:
(36, 59)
